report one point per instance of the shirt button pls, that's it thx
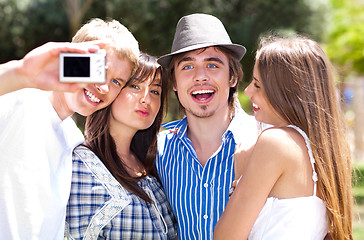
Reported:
(206, 185)
(205, 216)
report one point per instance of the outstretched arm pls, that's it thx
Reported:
(40, 67)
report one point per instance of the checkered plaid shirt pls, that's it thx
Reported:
(99, 207)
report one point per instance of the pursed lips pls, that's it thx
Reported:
(143, 113)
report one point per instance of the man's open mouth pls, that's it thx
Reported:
(203, 95)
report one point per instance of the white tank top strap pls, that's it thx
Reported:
(312, 160)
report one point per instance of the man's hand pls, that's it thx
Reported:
(40, 67)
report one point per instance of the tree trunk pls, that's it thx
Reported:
(358, 106)
(76, 9)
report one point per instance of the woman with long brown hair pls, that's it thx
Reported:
(115, 191)
(296, 182)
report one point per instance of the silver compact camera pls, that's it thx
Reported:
(82, 67)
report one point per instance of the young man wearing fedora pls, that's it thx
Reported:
(195, 160)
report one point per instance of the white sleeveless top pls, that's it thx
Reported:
(294, 218)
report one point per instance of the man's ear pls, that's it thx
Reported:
(233, 81)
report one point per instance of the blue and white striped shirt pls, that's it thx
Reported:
(197, 194)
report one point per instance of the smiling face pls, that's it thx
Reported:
(93, 97)
(202, 82)
(263, 110)
(137, 105)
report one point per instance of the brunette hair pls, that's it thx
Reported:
(298, 80)
(144, 142)
(235, 73)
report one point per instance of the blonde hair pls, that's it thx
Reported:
(298, 81)
(118, 37)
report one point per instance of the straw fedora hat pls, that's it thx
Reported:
(199, 31)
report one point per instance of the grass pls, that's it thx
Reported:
(358, 224)
(358, 192)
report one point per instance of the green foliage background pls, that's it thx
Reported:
(345, 37)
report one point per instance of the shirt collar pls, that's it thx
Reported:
(178, 127)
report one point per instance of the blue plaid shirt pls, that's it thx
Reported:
(100, 208)
(197, 194)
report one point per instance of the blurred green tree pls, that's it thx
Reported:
(345, 47)
(76, 10)
(26, 24)
(345, 38)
